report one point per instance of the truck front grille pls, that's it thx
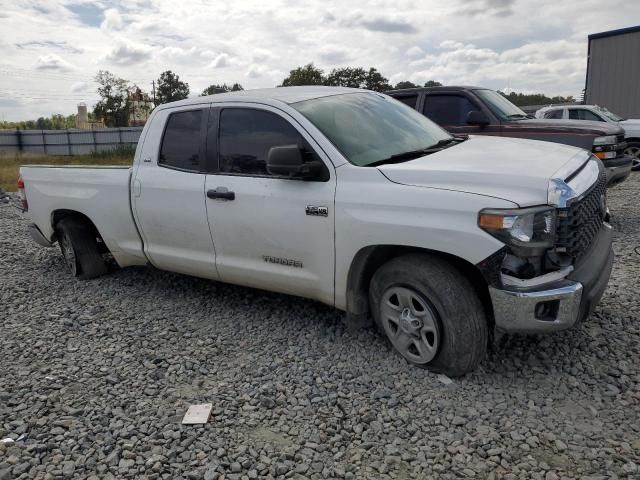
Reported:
(621, 145)
(579, 223)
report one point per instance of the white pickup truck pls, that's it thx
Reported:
(353, 199)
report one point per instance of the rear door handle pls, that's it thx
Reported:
(221, 192)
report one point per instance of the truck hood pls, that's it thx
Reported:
(568, 126)
(512, 169)
(631, 127)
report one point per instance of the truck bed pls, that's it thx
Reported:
(101, 193)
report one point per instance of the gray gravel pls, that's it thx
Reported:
(95, 377)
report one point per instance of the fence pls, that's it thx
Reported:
(67, 142)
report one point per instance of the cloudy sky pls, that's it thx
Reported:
(51, 50)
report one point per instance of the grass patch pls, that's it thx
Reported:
(10, 163)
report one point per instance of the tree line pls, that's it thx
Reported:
(54, 122)
(115, 105)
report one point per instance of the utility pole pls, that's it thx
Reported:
(153, 85)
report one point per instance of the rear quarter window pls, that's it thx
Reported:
(182, 140)
(557, 113)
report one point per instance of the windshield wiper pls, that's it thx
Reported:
(410, 155)
(518, 115)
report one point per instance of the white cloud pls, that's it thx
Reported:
(220, 61)
(334, 55)
(451, 45)
(53, 62)
(129, 54)
(112, 20)
(255, 71)
(415, 51)
(79, 87)
(262, 55)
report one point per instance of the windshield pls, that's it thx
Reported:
(609, 115)
(368, 127)
(500, 106)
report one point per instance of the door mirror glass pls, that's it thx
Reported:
(476, 117)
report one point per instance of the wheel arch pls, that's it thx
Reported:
(369, 259)
(60, 214)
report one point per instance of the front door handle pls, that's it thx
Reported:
(221, 192)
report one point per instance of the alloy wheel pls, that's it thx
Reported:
(411, 324)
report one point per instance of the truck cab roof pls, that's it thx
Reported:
(286, 95)
(447, 88)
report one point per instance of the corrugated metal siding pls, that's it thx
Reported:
(613, 76)
(67, 142)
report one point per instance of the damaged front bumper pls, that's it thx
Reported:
(560, 304)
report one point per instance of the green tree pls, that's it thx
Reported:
(522, 99)
(357, 77)
(43, 123)
(347, 77)
(171, 88)
(376, 82)
(213, 89)
(405, 84)
(113, 106)
(307, 75)
(432, 83)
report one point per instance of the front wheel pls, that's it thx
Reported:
(430, 313)
(633, 150)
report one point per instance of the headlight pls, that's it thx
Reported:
(604, 140)
(525, 227)
(605, 147)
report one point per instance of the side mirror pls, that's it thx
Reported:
(286, 161)
(476, 117)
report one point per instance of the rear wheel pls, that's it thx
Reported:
(79, 248)
(430, 313)
(633, 150)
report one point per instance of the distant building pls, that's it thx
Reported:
(140, 107)
(82, 119)
(613, 71)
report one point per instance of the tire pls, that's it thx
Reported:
(80, 249)
(451, 333)
(633, 150)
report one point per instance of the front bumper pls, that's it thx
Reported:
(560, 305)
(618, 169)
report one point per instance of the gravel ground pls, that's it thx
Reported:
(96, 376)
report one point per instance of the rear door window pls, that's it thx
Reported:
(448, 110)
(181, 142)
(583, 114)
(410, 100)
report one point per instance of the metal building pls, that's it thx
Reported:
(613, 71)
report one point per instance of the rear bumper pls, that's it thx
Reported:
(618, 169)
(38, 237)
(559, 305)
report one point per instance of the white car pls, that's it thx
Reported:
(353, 199)
(599, 114)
